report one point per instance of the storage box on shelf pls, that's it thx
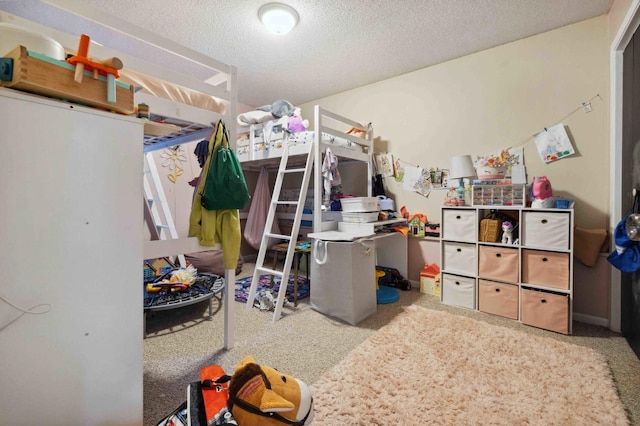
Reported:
(498, 195)
(530, 281)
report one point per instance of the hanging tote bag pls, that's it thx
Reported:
(225, 186)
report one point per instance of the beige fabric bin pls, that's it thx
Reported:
(549, 269)
(459, 258)
(545, 310)
(548, 230)
(459, 291)
(498, 263)
(498, 298)
(459, 225)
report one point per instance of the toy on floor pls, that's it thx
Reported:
(384, 294)
(263, 396)
(266, 301)
(507, 233)
(393, 278)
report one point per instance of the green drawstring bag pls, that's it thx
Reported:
(225, 186)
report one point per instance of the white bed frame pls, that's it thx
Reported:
(195, 123)
(325, 122)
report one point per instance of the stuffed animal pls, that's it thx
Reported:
(296, 124)
(278, 109)
(507, 233)
(540, 191)
(266, 300)
(260, 395)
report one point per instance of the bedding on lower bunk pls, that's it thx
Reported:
(273, 146)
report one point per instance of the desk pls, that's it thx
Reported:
(282, 248)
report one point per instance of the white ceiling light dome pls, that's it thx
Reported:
(278, 18)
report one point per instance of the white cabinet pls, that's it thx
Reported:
(72, 235)
(530, 281)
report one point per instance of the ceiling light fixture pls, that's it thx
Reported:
(278, 18)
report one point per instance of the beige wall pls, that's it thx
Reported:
(495, 99)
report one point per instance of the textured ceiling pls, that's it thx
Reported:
(338, 44)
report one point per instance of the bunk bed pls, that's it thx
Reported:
(347, 139)
(182, 108)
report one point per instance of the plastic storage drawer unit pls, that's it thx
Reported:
(498, 298)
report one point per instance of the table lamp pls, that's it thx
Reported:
(461, 168)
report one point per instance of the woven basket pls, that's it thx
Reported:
(490, 230)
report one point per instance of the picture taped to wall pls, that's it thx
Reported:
(553, 143)
(399, 170)
(384, 161)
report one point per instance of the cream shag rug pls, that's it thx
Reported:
(433, 367)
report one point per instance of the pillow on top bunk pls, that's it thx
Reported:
(254, 117)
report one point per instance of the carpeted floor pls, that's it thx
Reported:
(243, 285)
(307, 344)
(460, 371)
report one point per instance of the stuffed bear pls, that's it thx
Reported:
(260, 395)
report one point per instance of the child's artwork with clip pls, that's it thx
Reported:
(553, 143)
(384, 163)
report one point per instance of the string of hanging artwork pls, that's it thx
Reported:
(552, 144)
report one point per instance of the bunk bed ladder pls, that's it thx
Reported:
(284, 169)
(159, 220)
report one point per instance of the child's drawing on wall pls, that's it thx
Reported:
(553, 144)
(384, 162)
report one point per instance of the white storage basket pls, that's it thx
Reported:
(360, 204)
(360, 217)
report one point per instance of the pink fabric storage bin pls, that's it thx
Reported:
(498, 298)
(459, 258)
(498, 263)
(549, 269)
(545, 310)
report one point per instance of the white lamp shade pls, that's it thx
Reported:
(462, 167)
(278, 18)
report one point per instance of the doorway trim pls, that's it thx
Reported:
(627, 28)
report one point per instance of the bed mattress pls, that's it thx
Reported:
(274, 146)
(171, 91)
